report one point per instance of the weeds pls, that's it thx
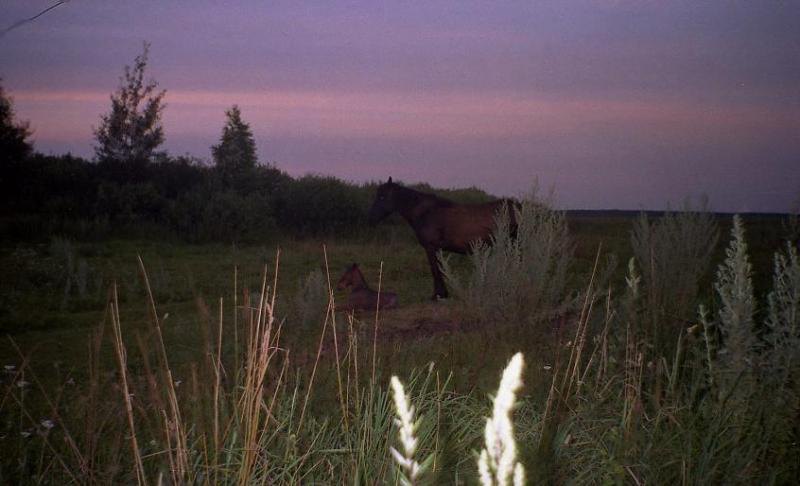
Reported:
(521, 275)
(311, 299)
(722, 408)
(673, 253)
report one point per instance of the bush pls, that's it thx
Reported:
(674, 254)
(722, 411)
(521, 275)
(311, 300)
(129, 204)
(314, 205)
(205, 214)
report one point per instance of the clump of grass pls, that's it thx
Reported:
(519, 276)
(71, 271)
(791, 224)
(311, 299)
(783, 315)
(673, 254)
(723, 404)
(736, 315)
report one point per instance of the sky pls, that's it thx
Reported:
(612, 104)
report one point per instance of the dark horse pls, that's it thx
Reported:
(440, 224)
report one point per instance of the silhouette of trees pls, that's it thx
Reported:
(235, 155)
(131, 132)
(14, 146)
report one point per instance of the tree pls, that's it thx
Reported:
(14, 146)
(235, 156)
(131, 132)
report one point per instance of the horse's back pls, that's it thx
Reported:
(462, 224)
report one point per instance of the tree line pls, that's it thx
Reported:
(133, 188)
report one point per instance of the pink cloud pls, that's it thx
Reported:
(60, 115)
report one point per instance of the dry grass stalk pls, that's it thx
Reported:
(26, 414)
(175, 422)
(217, 363)
(257, 364)
(375, 328)
(119, 348)
(573, 365)
(332, 306)
(329, 311)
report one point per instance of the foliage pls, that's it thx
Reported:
(14, 146)
(736, 315)
(720, 406)
(130, 133)
(235, 155)
(73, 197)
(521, 275)
(222, 215)
(673, 252)
(316, 205)
(311, 299)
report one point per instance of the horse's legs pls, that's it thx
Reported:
(439, 289)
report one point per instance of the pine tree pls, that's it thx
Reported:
(235, 155)
(130, 134)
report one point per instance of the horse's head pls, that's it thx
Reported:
(350, 278)
(384, 203)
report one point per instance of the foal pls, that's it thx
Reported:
(361, 296)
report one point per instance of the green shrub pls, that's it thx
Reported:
(723, 410)
(521, 275)
(214, 215)
(129, 204)
(311, 300)
(673, 254)
(314, 205)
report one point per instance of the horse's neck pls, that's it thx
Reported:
(413, 204)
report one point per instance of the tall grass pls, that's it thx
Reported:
(252, 420)
(723, 408)
(311, 299)
(673, 254)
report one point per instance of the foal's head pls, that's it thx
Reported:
(351, 278)
(385, 202)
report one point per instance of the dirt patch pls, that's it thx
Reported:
(408, 323)
(416, 321)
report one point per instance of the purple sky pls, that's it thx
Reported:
(615, 104)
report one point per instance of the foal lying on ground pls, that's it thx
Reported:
(361, 296)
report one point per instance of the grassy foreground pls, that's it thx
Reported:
(203, 366)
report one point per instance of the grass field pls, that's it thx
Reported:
(54, 299)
